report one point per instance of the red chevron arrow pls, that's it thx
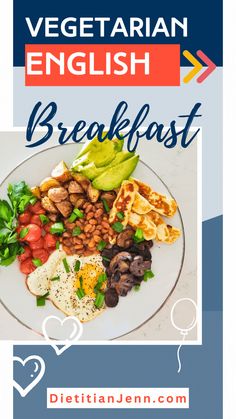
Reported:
(211, 66)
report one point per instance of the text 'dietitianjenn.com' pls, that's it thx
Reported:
(118, 398)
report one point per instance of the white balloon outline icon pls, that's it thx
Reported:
(183, 330)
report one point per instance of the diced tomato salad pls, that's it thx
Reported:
(37, 239)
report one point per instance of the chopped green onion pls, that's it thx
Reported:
(81, 281)
(44, 219)
(80, 293)
(101, 245)
(106, 259)
(102, 278)
(137, 287)
(57, 228)
(77, 266)
(57, 244)
(55, 278)
(97, 288)
(147, 275)
(72, 217)
(99, 300)
(118, 227)
(75, 214)
(105, 204)
(41, 300)
(120, 215)
(79, 213)
(37, 262)
(66, 266)
(138, 237)
(76, 231)
(24, 232)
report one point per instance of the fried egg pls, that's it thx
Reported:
(59, 277)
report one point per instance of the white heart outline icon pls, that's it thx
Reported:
(74, 336)
(24, 391)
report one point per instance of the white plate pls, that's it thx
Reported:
(134, 309)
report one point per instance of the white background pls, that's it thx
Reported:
(229, 199)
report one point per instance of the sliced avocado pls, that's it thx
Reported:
(113, 177)
(116, 144)
(100, 157)
(91, 171)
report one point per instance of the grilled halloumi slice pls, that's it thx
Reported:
(162, 204)
(141, 204)
(123, 202)
(142, 221)
(164, 232)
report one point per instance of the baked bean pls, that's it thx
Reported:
(89, 215)
(82, 236)
(66, 234)
(88, 208)
(98, 213)
(68, 250)
(105, 224)
(96, 238)
(93, 221)
(87, 228)
(91, 244)
(79, 246)
(70, 226)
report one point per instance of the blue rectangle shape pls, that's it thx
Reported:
(204, 32)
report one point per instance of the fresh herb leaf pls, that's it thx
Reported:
(24, 232)
(20, 196)
(6, 213)
(136, 287)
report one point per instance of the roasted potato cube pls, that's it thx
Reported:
(48, 205)
(82, 180)
(93, 194)
(36, 192)
(61, 172)
(48, 183)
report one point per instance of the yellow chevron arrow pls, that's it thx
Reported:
(197, 66)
